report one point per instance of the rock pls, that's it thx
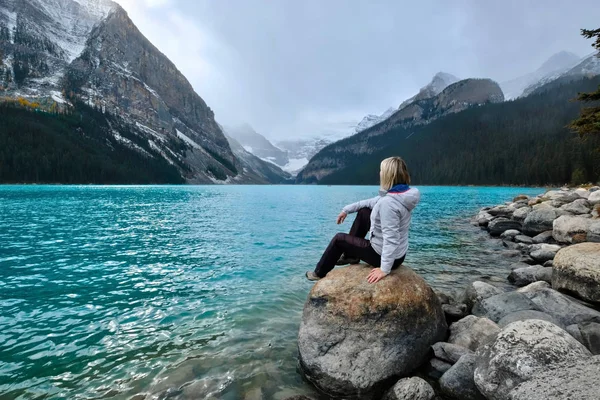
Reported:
(590, 335)
(577, 270)
(510, 234)
(564, 309)
(544, 252)
(528, 260)
(583, 193)
(534, 201)
(521, 213)
(526, 314)
(530, 274)
(520, 197)
(476, 292)
(517, 265)
(539, 221)
(501, 211)
(443, 297)
(483, 222)
(501, 224)
(438, 367)
(596, 211)
(549, 263)
(458, 383)
(509, 244)
(520, 350)
(580, 206)
(471, 332)
(534, 287)
(523, 239)
(568, 229)
(500, 305)
(593, 189)
(593, 234)
(576, 380)
(410, 389)
(574, 331)
(564, 197)
(355, 336)
(454, 312)
(594, 198)
(544, 237)
(449, 352)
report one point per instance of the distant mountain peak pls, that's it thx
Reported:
(438, 83)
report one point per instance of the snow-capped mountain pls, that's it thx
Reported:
(257, 144)
(300, 152)
(439, 82)
(372, 119)
(551, 69)
(62, 52)
(587, 66)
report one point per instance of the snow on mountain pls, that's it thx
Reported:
(371, 120)
(551, 69)
(439, 82)
(300, 152)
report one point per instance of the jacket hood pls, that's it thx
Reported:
(408, 197)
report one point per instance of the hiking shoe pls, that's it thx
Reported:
(311, 276)
(347, 260)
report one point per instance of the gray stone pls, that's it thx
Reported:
(471, 332)
(501, 224)
(574, 331)
(523, 239)
(517, 265)
(576, 380)
(476, 292)
(520, 350)
(563, 198)
(449, 352)
(454, 312)
(438, 367)
(580, 206)
(527, 314)
(590, 335)
(525, 276)
(583, 193)
(544, 274)
(534, 287)
(354, 336)
(539, 221)
(510, 234)
(593, 234)
(596, 211)
(549, 263)
(593, 189)
(443, 297)
(500, 305)
(528, 260)
(564, 309)
(521, 213)
(501, 211)
(567, 229)
(509, 244)
(483, 222)
(414, 388)
(544, 252)
(577, 270)
(594, 198)
(544, 237)
(457, 382)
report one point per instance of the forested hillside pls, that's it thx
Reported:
(521, 142)
(79, 146)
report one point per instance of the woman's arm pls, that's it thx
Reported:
(354, 207)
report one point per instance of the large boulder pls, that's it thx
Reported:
(539, 220)
(576, 380)
(527, 314)
(457, 382)
(414, 388)
(562, 308)
(543, 237)
(594, 198)
(355, 337)
(500, 305)
(477, 291)
(569, 229)
(577, 270)
(501, 224)
(580, 206)
(520, 350)
(531, 273)
(521, 213)
(471, 332)
(544, 252)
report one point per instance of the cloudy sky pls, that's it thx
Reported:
(306, 68)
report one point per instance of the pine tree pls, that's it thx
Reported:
(589, 120)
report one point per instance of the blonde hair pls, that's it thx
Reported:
(393, 172)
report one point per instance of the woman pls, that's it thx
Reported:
(386, 217)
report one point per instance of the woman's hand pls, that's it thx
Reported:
(376, 275)
(341, 217)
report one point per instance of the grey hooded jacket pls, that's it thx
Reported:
(390, 220)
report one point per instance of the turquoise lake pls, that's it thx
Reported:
(190, 292)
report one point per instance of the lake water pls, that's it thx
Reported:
(189, 292)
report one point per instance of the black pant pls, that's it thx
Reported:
(353, 245)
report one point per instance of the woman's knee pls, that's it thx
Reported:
(339, 237)
(364, 211)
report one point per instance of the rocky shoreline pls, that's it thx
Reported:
(536, 339)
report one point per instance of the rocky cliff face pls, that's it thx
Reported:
(60, 51)
(455, 98)
(257, 144)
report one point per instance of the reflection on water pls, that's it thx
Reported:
(189, 292)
